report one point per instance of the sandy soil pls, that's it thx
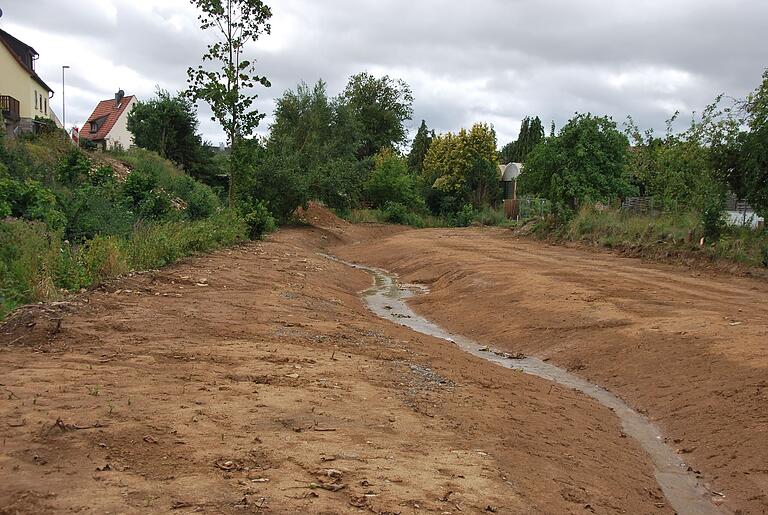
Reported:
(254, 380)
(688, 348)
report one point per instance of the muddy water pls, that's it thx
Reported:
(683, 491)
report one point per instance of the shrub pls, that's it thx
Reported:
(713, 219)
(74, 168)
(390, 181)
(258, 219)
(764, 253)
(396, 213)
(465, 216)
(201, 202)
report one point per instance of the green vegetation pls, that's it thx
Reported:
(168, 125)
(668, 235)
(69, 218)
(531, 134)
(68, 221)
(584, 163)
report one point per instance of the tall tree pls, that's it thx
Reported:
(236, 23)
(168, 125)
(531, 134)
(585, 162)
(464, 165)
(380, 107)
(420, 147)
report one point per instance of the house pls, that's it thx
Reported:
(24, 96)
(107, 127)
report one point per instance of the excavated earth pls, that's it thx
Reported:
(686, 347)
(254, 380)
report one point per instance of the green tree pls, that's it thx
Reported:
(391, 181)
(464, 167)
(419, 148)
(380, 108)
(168, 125)
(236, 23)
(746, 158)
(531, 134)
(585, 162)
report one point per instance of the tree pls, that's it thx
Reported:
(236, 23)
(585, 162)
(391, 181)
(380, 107)
(420, 147)
(531, 134)
(749, 173)
(463, 166)
(168, 125)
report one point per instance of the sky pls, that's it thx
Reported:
(493, 61)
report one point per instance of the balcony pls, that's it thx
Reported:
(9, 107)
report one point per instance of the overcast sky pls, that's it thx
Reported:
(467, 61)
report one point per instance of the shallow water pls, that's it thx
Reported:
(683, 491)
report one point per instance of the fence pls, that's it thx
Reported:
(738, 212)
(638, 205)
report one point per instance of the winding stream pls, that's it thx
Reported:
(685, 494)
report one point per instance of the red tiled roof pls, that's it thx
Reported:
(108, 109)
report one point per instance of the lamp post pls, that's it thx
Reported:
(63, 104)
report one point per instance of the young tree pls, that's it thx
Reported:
(420, 147)
(236, 23)
(380, 107)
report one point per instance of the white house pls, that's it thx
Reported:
(108, 125)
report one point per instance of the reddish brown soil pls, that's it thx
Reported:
(254, 380)
(688, 348)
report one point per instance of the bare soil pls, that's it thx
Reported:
(255, 380)
(687, 347)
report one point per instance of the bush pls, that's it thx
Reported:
(764, 253)
(258, 219)
(713, 219)
(465, 216)
(396, 213)
(390, 181)
(201, 202)
(29, 199)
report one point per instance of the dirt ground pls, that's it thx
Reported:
(689, 348)
(254, 380)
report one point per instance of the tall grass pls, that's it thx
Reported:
(488, 216)
(664, 235)
(37, 265)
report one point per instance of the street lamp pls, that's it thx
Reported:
(63, 105)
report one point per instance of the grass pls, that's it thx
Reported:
(487, 216)
(37, 265)
(662, 236)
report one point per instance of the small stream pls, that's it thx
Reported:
(685, 494)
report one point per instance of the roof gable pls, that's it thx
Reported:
(24, 55)
(105, 115)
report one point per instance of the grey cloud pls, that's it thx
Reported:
(498, 60)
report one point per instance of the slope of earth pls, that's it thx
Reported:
(254, 380)
(689, 349)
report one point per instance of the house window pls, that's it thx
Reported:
(36, 99)
(45, 108)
